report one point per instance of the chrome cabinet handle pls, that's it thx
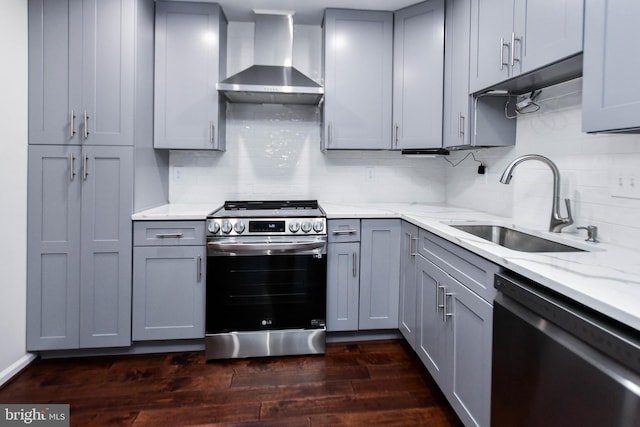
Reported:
(212, 130)
(414, 252)
(344, 232)
(355, 269)
(199, 268)
(169, 235)
(445, 312)
(460, 125)
(514, 39)
(438, 305)
(410, 240)
(396, 135)
(72, 166)
(85, 166)
(329, 134)
(502, 46)
(72, 124)
(85, 126)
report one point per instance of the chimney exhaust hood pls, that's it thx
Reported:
(272, 80)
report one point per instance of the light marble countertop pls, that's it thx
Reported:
(605, 277)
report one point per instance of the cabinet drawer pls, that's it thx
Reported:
(168, 233)
(473, 271)
(343, 230)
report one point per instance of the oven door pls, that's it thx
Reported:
(267, 284)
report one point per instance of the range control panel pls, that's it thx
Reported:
(266, 226)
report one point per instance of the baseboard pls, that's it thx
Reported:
(16, 368)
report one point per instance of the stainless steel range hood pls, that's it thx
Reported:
(272, 80)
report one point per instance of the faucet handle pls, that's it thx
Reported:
(592, 233)
(569, 219)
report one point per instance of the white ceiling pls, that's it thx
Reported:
(306, 11)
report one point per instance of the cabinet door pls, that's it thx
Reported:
(55, 79)
(380, 274)
(491, 30)
(417, 75)
(611, 93)
(358, 47)
(343, 281)
(456, 76)
(472, 320)
(107, 203)
(53, 248)
(547, 32)
(187, 68)
(107, 72)
(168, 292)
(408, 283)
(432, 330)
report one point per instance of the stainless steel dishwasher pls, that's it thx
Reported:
(558, 363)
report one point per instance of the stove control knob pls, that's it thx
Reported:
(226, 227)
(294, 227)
(214, 227)
(238, 227)
(318, 227)
(306, 227)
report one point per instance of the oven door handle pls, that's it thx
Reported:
(267, 247)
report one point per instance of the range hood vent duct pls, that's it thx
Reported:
(272, 80)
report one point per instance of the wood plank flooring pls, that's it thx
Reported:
(376, 383)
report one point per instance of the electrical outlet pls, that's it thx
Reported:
(625, 183)
(177, 173)
(370, 173)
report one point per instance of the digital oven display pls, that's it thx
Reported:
(266, 226)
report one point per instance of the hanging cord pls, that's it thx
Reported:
(463, 159)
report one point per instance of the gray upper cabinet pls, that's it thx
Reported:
(611, 94)
(380, 274)
(513, 37)
(79, 247)
(358, 50)
(81, 71)
(418, 75)
(190, 58)
(456, 78)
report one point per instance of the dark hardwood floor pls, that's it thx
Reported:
(377, 383)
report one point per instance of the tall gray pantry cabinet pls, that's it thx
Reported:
(87, 76)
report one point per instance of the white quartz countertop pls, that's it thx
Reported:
(605, 277)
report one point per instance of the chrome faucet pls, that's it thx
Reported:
(557, 222)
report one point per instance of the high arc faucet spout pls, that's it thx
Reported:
(557, 222)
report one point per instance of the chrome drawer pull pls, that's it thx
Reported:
(343, 232)
(169, 235)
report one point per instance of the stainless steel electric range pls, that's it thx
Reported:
(266, 279)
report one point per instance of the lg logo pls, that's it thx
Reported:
(266, 322)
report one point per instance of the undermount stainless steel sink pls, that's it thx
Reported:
(514, 239)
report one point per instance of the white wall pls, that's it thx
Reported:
(13, 190)
(273, 151)
(589, 165)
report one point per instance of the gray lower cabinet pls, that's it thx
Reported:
(343, 274)
(454, 327)
(358, 50)
(418, 57)
(82, 71)
(408, 282)
(79, 244)
(610, 93)
(190, 58)
(343, 286)
(379, 274)
(169, 275)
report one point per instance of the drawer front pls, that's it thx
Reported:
(168, 233)
(473, 271)
(343, 230)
